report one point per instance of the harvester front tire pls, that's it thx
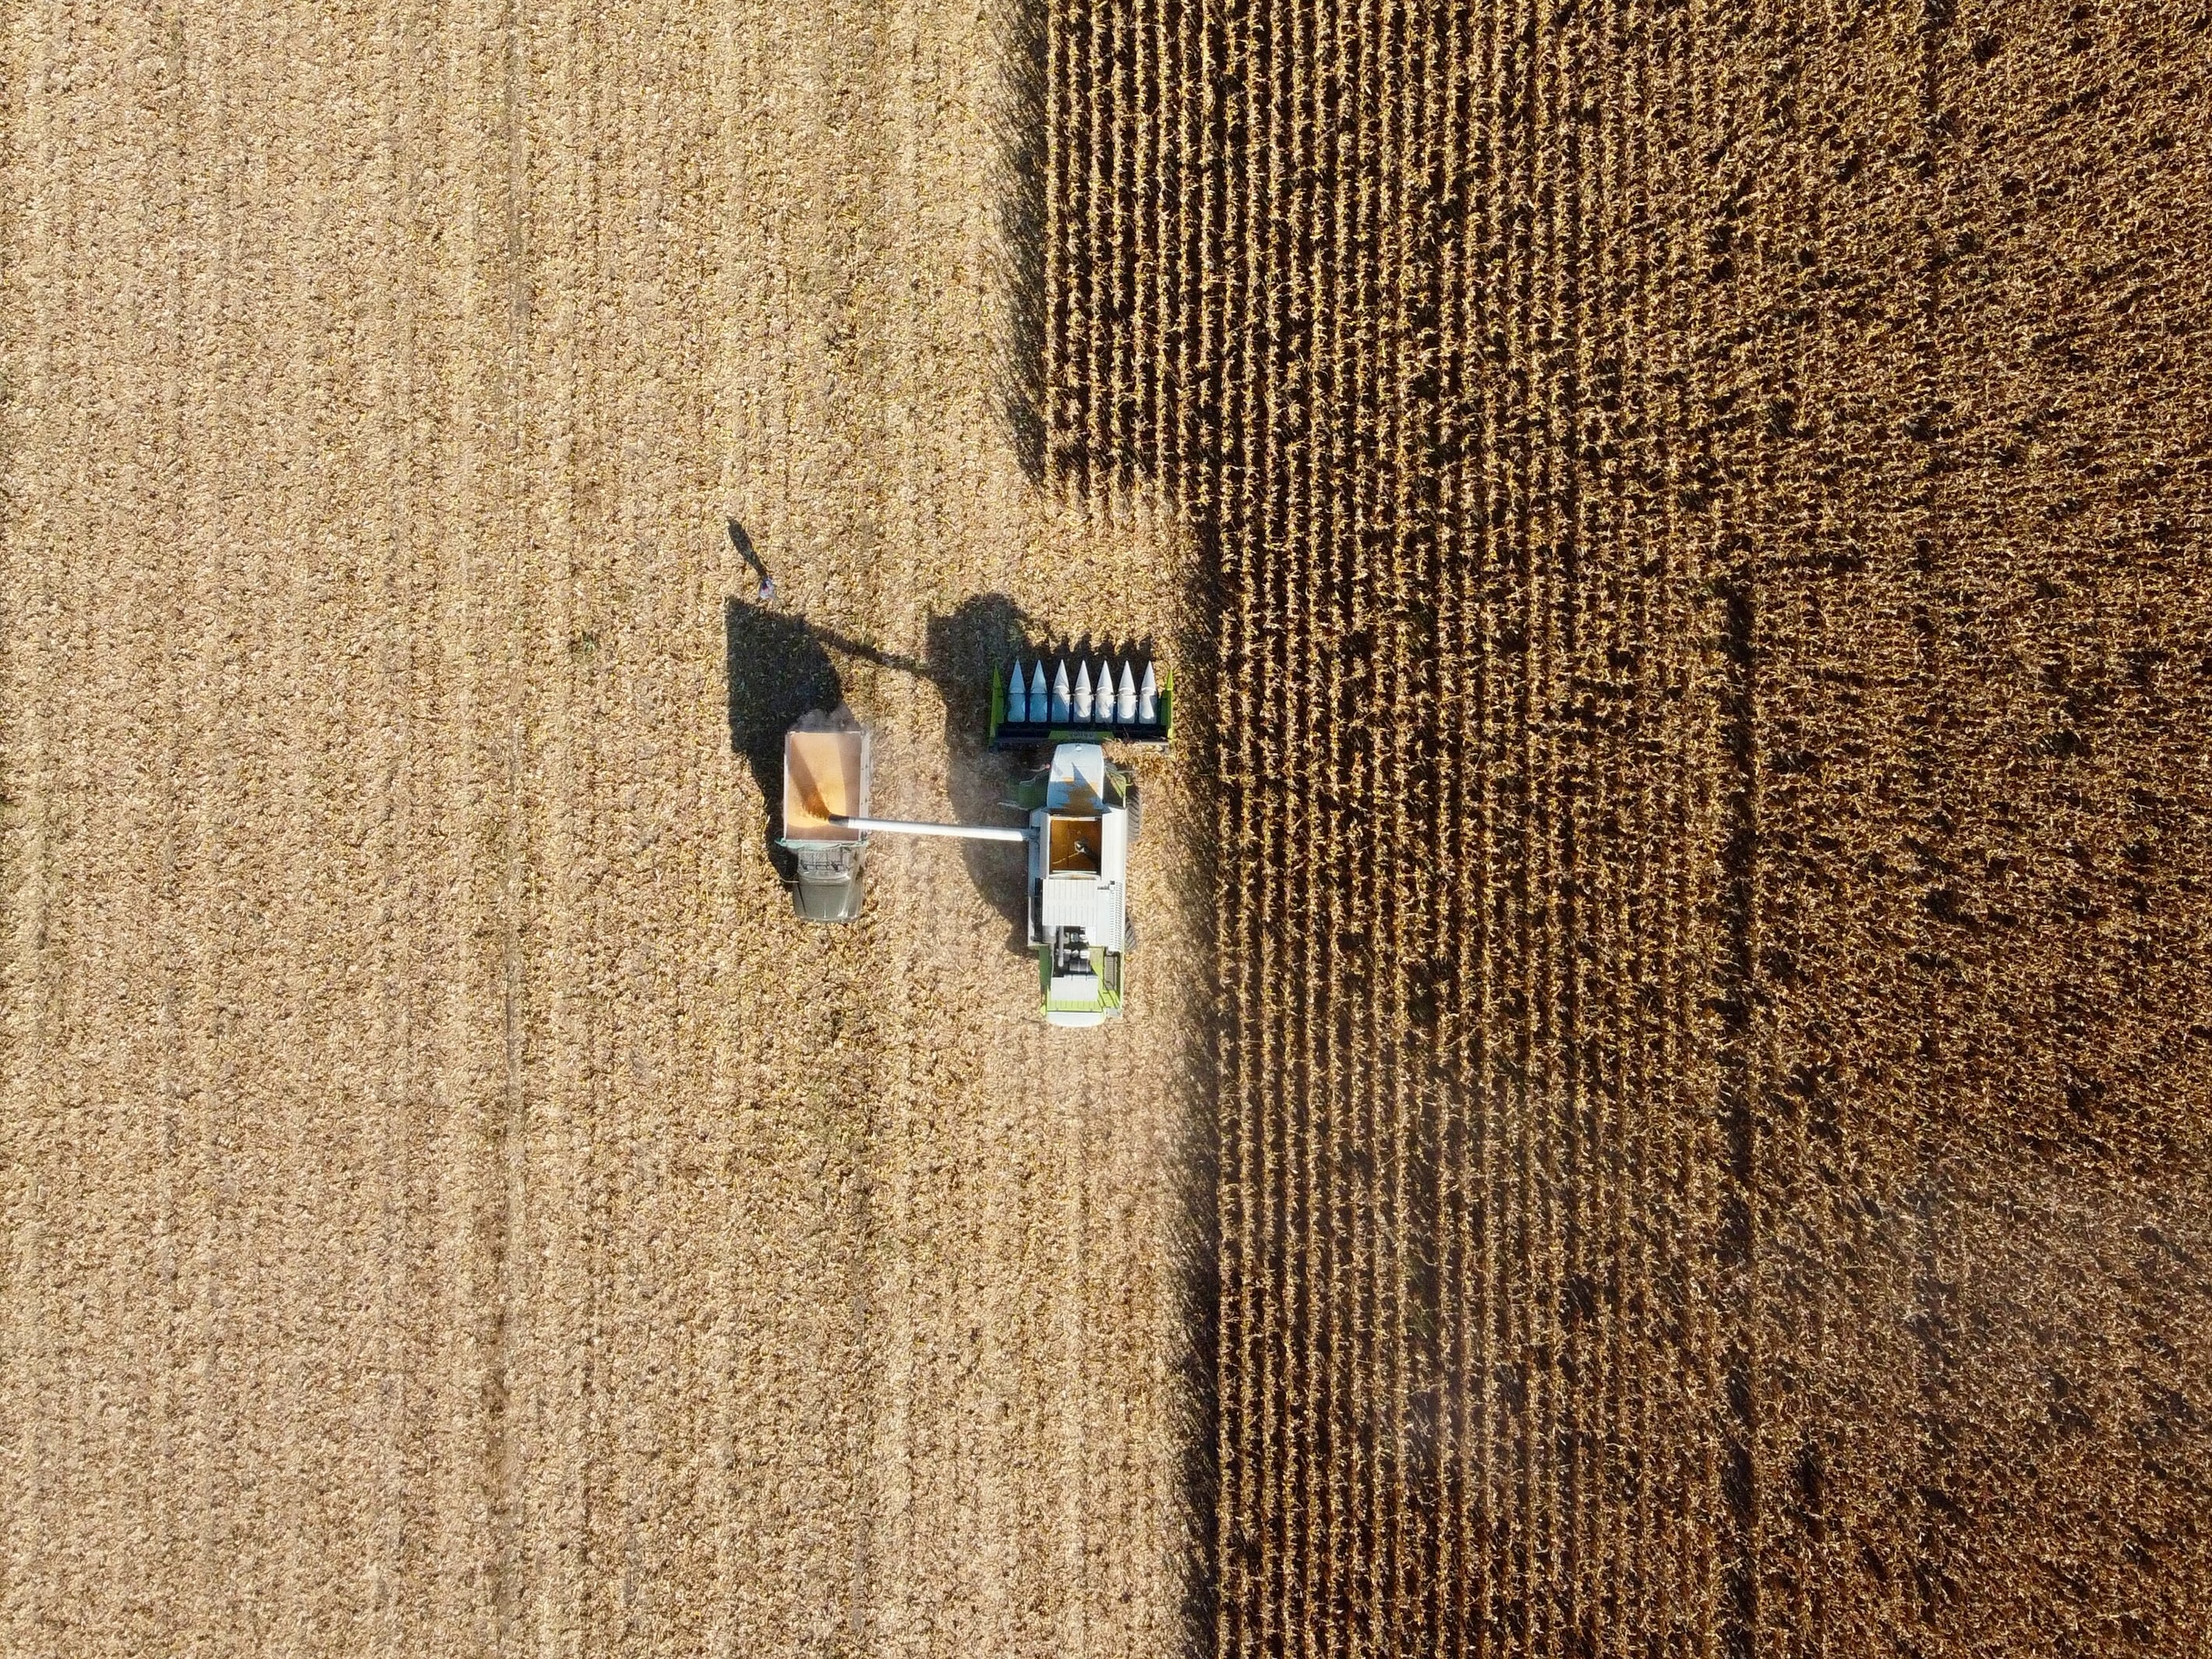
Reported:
(1134, 804)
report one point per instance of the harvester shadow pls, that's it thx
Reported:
(967, 649)
(778, 670)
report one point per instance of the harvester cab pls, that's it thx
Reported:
(1081, 810)
(1078, 884)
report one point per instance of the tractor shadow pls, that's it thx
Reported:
(778, 670)
(966, 650)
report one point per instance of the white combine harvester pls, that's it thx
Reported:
(1083, 816)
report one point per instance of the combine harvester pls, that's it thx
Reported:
(1084, 817)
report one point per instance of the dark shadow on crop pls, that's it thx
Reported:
(744, 543)
(779, 669)
(1023, 116)
(1195, 884)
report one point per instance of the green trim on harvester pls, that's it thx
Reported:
(1105, 1002)
(1098, 731)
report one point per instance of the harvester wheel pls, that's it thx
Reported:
(1136, 804)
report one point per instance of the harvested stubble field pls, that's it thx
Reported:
(451, 1206)
(1708, 508)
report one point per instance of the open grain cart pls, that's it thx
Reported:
(826, 786)
(1083, 817)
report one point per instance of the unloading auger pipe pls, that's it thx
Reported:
(958, 831)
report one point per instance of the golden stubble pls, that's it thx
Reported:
(452, 1204)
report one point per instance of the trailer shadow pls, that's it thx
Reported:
(779, 669)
